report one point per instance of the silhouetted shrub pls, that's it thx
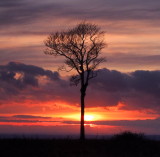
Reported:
(129, 136)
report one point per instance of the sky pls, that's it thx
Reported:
(37, 98)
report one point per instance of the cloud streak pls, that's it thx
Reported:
(151, 123)
(140, 124)
(30, 117)
(22, 12)
(27, 119)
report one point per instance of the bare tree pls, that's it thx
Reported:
(80, 46)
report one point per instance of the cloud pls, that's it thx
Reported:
(18, 13)
(23, 83)
(147, 82)
(140, 81)
(10, 3)
(131, 61)
(147, 125)
(136, 90)
(28, 84)
(19, 121)
(17, 79)
(127, 59)
(27, 119)
(152, 123)
(25, 12)
(23, 74)
(30, 117)
(22, 12)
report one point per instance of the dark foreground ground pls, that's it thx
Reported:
(122, 145)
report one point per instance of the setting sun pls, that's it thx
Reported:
(88, 117)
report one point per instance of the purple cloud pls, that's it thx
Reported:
(137, 90)
(30, 117)
(23, 12)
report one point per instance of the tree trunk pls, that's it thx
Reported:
(82, 129)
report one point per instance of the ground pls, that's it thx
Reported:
(123, 145)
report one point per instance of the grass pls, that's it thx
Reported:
(126, 144)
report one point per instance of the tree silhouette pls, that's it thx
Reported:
(80, 46)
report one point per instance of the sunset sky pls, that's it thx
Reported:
(37, 98)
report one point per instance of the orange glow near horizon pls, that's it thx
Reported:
(60, 111)
(59, 116)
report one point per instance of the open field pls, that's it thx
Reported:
(123, 145)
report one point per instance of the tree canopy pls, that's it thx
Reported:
(80, 46)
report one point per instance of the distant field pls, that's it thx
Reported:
(122, 145)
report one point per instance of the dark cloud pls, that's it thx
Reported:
(115, 81)
(28, 82)
(146, 82)
(111, 80)
(22, 75)
(16, 77)
(19, 121)
(26, 119)
(151, 123)
(30, 117)
(138, 90)
(30, 70)
(149, 126)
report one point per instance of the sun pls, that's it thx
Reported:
(88, 117)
